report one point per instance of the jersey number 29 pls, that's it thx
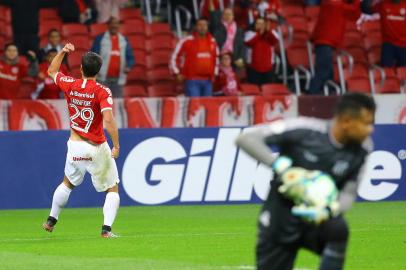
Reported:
(86, 114)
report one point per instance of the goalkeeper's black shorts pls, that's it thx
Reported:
(280, 234)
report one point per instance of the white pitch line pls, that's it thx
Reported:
(123, 236)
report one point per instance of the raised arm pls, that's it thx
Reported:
(53, 68)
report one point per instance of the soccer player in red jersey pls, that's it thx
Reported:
(90, 104)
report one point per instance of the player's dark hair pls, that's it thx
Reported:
(91, 64)
(353, 103)
(10, 44)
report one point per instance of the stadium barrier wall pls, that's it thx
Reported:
(186, 112)
(174, 166)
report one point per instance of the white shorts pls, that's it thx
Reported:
(84, 157)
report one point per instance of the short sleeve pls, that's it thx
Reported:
(63, 82)
(106, 99)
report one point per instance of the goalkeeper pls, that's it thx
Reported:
(338, 148)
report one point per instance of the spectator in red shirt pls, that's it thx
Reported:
(226, 83)
(46, 87)
(328, 35)
(13, 70)
(393, 27)
(117, 55)
(261, 52)
(195, 61)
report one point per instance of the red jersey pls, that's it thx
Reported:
(196, 57)
(393, 22)
(86, 100)
(332, 21)
(262, 49)
(10, 79)
(115, 59)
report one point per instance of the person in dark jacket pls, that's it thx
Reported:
(74, 11)
(229, 37)
(25, 17)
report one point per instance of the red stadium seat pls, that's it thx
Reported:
(5, 14)
(128, 30)
(136, 75)
(75, 60)
(140, 58)
(45, 28)
(130, 13)
(157, 43)
(76, 73)
(155, 29)
(136, 22)
(250, 89)
(275, 89)
(97, 29)
(162, 90)
(401, 73)
(46, 14)
(27, 87)
(74, 29)
(374, 55)
(372, 41)
(298, 56)
(134, 91)
(391, 86)
(312, 12)
(137, 42)
(352, 41)
(159, 59)
(299, 24)
(160, 74)
(8, 34)
(360, 85)
(289, 11)
(80, 42)
(371, 26)
(358, 53)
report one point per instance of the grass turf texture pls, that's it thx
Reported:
(183, 237)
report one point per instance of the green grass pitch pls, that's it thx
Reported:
(183, 237)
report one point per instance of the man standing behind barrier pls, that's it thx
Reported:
(393, 28)
(90, 104)
(328, 35)
(195, 61)
(117, 55)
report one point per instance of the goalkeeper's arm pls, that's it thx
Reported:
(348, 194)
(253, 142)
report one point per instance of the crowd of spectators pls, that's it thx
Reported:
(225, 48)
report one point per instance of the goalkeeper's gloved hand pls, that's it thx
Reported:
(316, 214)
(293, 179)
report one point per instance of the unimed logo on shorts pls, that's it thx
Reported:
(202, 170)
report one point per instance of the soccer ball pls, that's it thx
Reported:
(320, 189)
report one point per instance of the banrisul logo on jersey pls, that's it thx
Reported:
(182, 166)
(193, 166)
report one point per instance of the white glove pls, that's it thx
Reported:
(293, 179)
(316, 214)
